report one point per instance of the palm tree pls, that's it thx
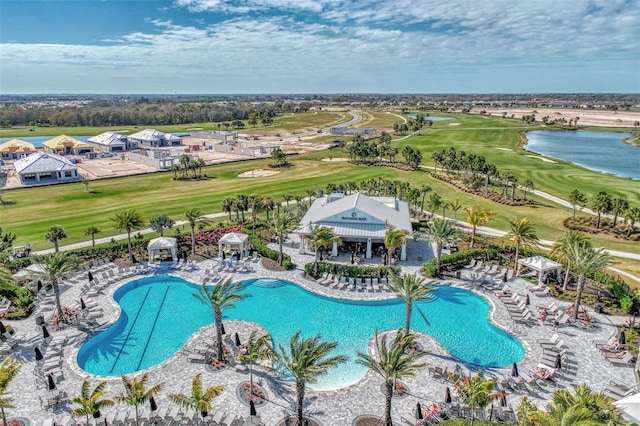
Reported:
(136, 392)
(477, 216)
(424, 190)
(57, 266)
(55, 234)
(258, 348)
(585, 407)
(221, 296)
(194, 216)
(577, 198)
(268, 204)
(441, 232)
(394, 238)
(395, 360)
(227, 205)
(200, 399)
(562, 248)
(521, 233)
(632, 215)
(287, 198)
(410, 288)
(474, 390)
(601, 203)
(242, 203)
(92, 231)
(91, 402)
(283, 223)
(585, 259)
(321, 237)
(455, 205)
(8, 370)
(618, 206)
(306, 360)
(128, 220)
(160, 223)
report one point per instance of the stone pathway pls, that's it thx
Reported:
(585, 363)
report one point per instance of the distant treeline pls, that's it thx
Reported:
(143, 112)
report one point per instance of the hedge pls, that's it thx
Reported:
(352, 271)
(459, 259)
(268, 252)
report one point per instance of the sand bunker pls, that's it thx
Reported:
(335, 159)
(257, 173)
(546, 160)
(505, 149)
(454, 124)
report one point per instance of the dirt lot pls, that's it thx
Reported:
(587, 117)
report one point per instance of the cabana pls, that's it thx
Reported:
(540, 264)
(161, 247)
(235, 241)
(630, 407)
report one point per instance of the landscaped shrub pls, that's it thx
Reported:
(268, 252)
(352, 271)
(458, 259)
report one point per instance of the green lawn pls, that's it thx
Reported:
(380, 119)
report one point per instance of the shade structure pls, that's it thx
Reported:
(222, 327)
(39, 356)
(447, 395)
(252, 409)
(82, 304)
(45, 332)
(152, 404)
(237, 339)
(51, 384)
(622, 339)
(630, 406)
(90, 275)
(514, 370)
(558, 363)
(3, 329)
(419, 415)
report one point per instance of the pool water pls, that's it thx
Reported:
(159, 314)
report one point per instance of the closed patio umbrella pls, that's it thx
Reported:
(558, 363)
(152, 404)
(90, 275)
(51, 384)
(527, 301)
(45, 332)
(82, 304)
(39, 356)
(514, 370)
(252, 409)
(447, 395)
(503, 400)
(419, 415)
(222, 327)
(97, 414)
(237, 338)
(39, 285)
(3, 329)
(622, 339)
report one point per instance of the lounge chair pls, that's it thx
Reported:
(524, 319)
(327, 280)
(558, 345)
(478, 266)
(470, 265)
(367, 284)
(626, 360)
(543, 292)
(609, 342)
(323, 277)
(492, 270)
(352, 284)
(553, 340)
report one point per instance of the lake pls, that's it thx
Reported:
(37, 141)
(431, 117)
(595, 150)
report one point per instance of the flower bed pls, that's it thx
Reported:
(244, 393)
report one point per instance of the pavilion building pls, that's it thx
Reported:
(359, 220)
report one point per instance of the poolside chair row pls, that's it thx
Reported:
(617, 390)
(354, 284)
(517, 308)
(541, 290)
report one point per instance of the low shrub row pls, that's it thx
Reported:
(352, 271)
(458, 259)
(268, 252)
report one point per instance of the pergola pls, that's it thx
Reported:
(540, 264)
(235, 241)
(162, 246)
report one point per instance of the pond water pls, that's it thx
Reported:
(596, 150)
(431, 117)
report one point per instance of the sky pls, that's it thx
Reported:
(319, 46)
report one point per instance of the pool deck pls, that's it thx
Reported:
(585, 363)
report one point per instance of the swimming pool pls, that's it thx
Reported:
(159, 314)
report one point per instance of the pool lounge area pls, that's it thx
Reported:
(335, 407)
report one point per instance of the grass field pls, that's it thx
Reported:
(32, 211)
(380, 119)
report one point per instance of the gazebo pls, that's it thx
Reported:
(161, 247)
(235, 241)
(540, 264)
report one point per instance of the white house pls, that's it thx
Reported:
(112, 142)
(151, 138)
(360, 221)
(43, 167)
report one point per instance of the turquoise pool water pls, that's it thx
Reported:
(159, 314)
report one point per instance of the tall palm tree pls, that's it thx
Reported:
(585, 259)
(475, 391)
(522, 233)
(585, 407)
(136, 392)
(441, 232)
(410, 288)
(227, 205)
(601, 203)
(287, 198)
(283, 223)
(91, 402)
(424, 190)
(562, 247)
(9, 369)
(194, 216)
(321, 237)
(394, 360)
(618, 206)
(242, 203)
(632, 215)
(128, 220)
(54, 235)
(394, 238)
(200, 399)
(477, 216)
(258, 348)
(306, 360)
(268, 204)
(57, 266)
(221, 296)
(92, 231)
